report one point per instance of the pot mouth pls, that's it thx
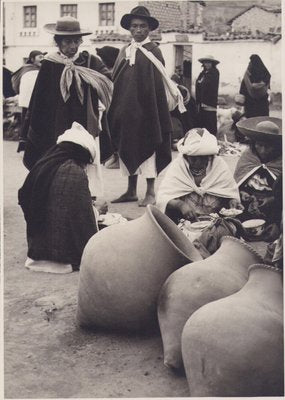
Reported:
(243, 244)
(265, 266)
(172, 234)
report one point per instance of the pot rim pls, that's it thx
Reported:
(244, 244)
(149, 210)
(265, 266)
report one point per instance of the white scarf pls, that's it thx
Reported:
(99, 82)
(173, 95)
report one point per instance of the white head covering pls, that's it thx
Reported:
(79, 135)
(196, 144)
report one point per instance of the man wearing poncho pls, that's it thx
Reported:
(71, 86)
(139, 118)
(198, 181)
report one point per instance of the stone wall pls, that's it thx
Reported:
(168, 13)
(257, 19)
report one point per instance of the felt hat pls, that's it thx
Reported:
(139, 12)
(209, 58)
(267, 129)
(66, 26)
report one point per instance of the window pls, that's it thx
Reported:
(68, 9)
(30, 17)
(107, 14)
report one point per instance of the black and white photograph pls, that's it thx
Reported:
(142, 206)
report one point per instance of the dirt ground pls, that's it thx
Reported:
(46, 354)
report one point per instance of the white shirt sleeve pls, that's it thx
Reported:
(26, 88)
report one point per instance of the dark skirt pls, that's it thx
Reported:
(208, 120)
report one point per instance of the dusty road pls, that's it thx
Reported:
(46, 354)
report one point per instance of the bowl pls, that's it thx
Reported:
(254, 227)
(230, 212)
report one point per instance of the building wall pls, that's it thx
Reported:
(257, 19)
(20, 41)
(234, 59)
(167, 12)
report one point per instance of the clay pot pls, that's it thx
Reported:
(186, 290)
(234, 346)
(123, 268)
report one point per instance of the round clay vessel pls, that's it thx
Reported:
(123, 268)
(233, 347)
(194, 285)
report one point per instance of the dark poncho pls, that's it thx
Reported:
(207, 86)
(57, 205)
(49, 116)
(256, 99)
(138, 117)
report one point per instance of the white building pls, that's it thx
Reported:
(24, 21)
(181, 47)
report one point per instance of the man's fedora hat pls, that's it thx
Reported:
(267, 129)
(139, 12)
(209, 58)
(66, 26)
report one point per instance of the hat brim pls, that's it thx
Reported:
(126, 21)
(248, 128)
(50, 28)
(209, 59)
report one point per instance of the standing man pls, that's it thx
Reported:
(139, 118)
(71, 86)
(207, 86)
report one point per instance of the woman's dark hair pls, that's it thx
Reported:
(77, 152)
(276, 153)
(58, 38)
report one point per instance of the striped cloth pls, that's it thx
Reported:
(99, 82)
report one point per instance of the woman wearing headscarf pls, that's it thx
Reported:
(207, 86)
(197, 182)
(254, 87)
(57, 204)
(259, 167)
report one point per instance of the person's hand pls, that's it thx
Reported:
(188, 212)
(267, 201)
(244, 196)
(234, 203)
(101, 206)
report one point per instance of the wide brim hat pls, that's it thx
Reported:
(139, 12)
(209, 58)
(66, 26)
(267, 129)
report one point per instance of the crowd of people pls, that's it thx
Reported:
(80, 110)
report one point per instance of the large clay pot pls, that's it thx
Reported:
(234, 346)
(123, 268)
(220, 275)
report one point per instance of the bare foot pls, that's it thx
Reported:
(149, 199)
(126, 197)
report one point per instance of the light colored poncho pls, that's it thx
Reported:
(179, 182)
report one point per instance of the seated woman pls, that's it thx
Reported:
(197, 182)
(259, 167)
(57, 204)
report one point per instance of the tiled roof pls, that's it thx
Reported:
(272, 37)
(156, 35)
(268, 9)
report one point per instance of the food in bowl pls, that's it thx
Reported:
(254, 227)
(200, 224)
(230, 212)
